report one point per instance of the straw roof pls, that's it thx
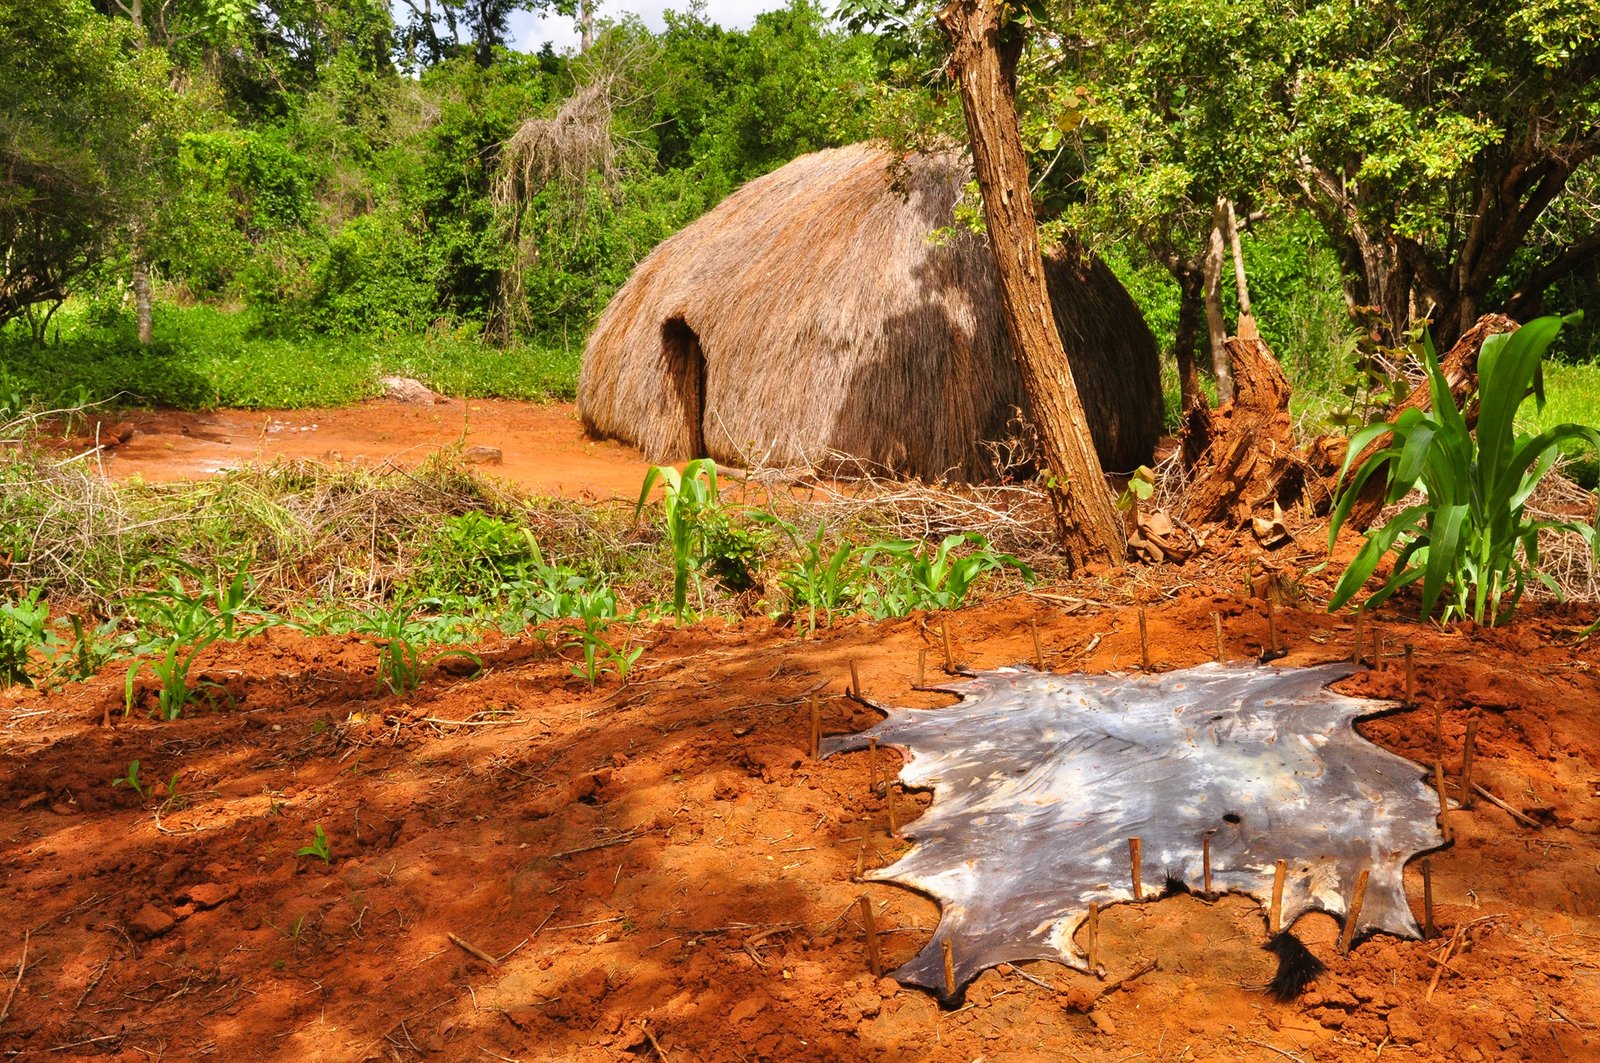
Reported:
(815, 312)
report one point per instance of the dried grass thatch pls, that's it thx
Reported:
(814, 312)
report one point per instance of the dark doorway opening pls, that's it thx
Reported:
(686, 371)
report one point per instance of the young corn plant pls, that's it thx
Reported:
(175, 692)
(1469, 541)
(401, 640)
(687, 498)
(821, 579)
(920, 576)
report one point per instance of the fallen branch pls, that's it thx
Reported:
(22, 967)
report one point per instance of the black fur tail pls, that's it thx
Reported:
(1296, 966)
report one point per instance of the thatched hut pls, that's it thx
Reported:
(829, 307)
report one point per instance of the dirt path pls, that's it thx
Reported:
(542, 447)
(658, 871)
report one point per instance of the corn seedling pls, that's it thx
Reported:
(130, 779)
(175, 693)
(918, 577)
(1470, 541)
(820, 578)
(23, 633)
(176, 615)
(318, 847)
(400, 639)
(687, 496)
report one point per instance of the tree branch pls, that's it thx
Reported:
(1529, 294)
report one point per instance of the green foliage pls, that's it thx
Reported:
(596, 610)
(318, 848)
(130, 779)
(401, 640)
(1470, 542)
(690, 506)
(24, 634)
(173, 613)
(914, 576)
(171, 665)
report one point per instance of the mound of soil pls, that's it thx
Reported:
(522, 868)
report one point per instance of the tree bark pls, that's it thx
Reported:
(983, 63)
(141, 291)
(1247, 320)
(1216, 324)
(586, 25)
(1191, 299)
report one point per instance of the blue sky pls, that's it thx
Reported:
(530, 31)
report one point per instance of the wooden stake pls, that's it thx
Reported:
(1221, 653)
(861, 857)
(949, 967)
(816, 727)
(1275, 921)
(1144, 640)
(1427, 898)
(1272, 625)
(871, 928)
(872, 765)
(949, 654)
(1205, 864)
(1467, 749)
(922, 663)
(1444, 802)
(1094, 936)
(1133, 860)
(888, 804)
(1355, 657)
(1411, 675)
(1354, 914)
(1038, 649)
(855, 680)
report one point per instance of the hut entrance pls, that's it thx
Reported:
(685, 364)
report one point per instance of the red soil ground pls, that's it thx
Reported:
(542, 447)
(658, 871)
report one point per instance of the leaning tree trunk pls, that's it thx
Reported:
(1216, 325)
(983, 62)
(1191, 307)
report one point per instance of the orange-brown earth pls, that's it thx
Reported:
(658, 871)
(540, 447)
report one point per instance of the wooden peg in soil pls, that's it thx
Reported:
(1467, 749)
(1427, 898)
(1411, 674)
(1133, 861)
(1144, 640)
(1444, 802)
(949, 654)
(1205, 864)
(872, 765)
(1275, 920)
(1094, 936)
(816, 727)
(888, 804)
(1360, 652)
(922, 663)
(1038, 648)
(861, 857)
(1273, 650)
(1353, 916)
(855, 680)
(1221, 652)
(949, 967)
(871, 929)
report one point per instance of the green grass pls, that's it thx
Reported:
(205, 358)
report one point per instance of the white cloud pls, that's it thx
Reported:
(530, 31)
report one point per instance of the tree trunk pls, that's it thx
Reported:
(1247, 320)
(1242, 456)
(1216, 325)
(586, 25)
(141, 291)
(983, 63)
(1191, 306)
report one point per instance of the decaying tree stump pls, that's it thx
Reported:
(1242, 456)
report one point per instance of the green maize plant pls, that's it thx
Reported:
(1470, 540)
(688, 496)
